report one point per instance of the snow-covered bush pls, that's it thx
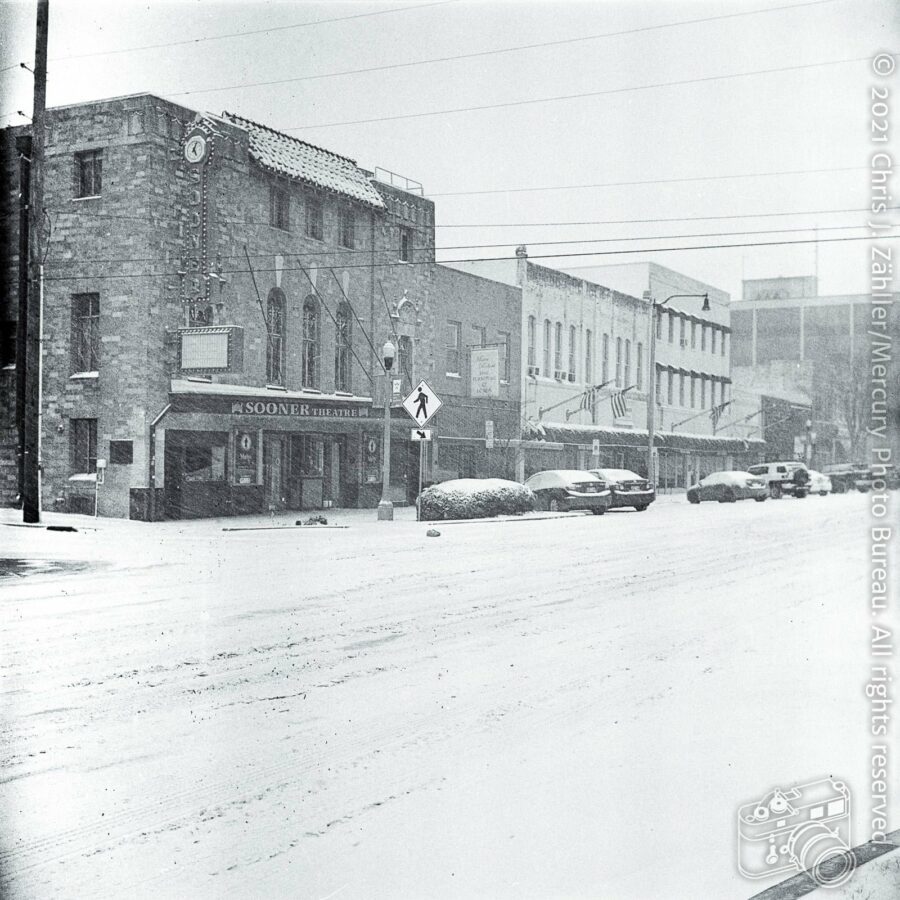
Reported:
(475, 498)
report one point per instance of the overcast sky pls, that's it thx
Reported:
(502, 171)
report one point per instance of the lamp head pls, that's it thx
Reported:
(388, 351)
(706, 303)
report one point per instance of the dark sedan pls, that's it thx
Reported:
(565, 489)
(728, 487)
(627, 488)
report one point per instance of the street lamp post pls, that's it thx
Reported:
(385, 506)
(651, 394)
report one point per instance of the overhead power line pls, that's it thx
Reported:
(603, 184)
(170, 274)
(367, 251)
(582, 96)
(803, 212)
(517, 48)
(238, 34)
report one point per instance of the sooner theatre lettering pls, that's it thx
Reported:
(295, 408)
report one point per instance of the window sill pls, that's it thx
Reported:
(84, 376)
(84, 476)
(88, 197)
(452, 375)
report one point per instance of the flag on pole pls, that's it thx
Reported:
(587, 399)
(716, 413)
(619, 406)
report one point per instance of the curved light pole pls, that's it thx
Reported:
(385, 506)
(651, 400)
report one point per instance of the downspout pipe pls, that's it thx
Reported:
(151, 480)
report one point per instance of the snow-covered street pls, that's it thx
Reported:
(572, 707)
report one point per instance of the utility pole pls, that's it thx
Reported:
(31, 425)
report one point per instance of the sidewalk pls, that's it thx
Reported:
(345, 518)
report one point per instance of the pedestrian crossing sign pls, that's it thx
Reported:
(422, 403)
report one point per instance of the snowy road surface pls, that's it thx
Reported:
(573, 707)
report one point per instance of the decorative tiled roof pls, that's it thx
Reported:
(289, 156)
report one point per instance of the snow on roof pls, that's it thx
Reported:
(295, 158)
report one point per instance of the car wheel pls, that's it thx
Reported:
(693, 498)
(640, 508)
(553, 505)
(775, 491)
(761, 499)
(823, 493)
(730, 496)
(598, 510)
(799, 494)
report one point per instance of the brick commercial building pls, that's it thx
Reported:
(216, 296)
(586, 344)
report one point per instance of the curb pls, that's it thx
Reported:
(802, 884)
(282, 527)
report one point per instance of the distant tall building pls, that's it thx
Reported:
(809, 354)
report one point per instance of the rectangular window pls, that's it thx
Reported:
(682, 331)
(573, 342)
(669, 393)
(83, 436)
(640, 366)
(588, 357)
(480, 336)
(453, 347)
(405, 245)
(86, 333)
(659, 316)
(532, 356)
(604, 358)
(505, 345)
(121, 453)
(88, 173)
(693, 335)
(547, 332)
(681, 389)
(627, 382)
(712, 340)
(315, 227)
(702, 392)
(693, 392)
(724, 336)
(702, 337)
(618, 362)
(671, 328)
(346, 227)
(279, 207)
(658, 386)
(557, 350)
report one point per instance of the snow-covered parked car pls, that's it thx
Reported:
(728, 487)
(475, 498)
(565, 489)
(627, 488)
(819, 483)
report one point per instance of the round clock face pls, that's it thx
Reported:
(195, 148)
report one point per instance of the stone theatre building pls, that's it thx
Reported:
(216, 296)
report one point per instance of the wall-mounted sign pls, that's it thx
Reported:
(246, 454)
(371, 447)
(485, 372)
(488, 434)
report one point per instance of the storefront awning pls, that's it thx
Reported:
(633, 437)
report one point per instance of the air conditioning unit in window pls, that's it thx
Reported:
(684, 342)
(534, 370)
(571, 376)
(559, 375)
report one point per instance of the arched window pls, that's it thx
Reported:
(310, 356)
(342, 357)
(275, 342)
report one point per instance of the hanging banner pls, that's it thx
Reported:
(485, 372)
(246, 453)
